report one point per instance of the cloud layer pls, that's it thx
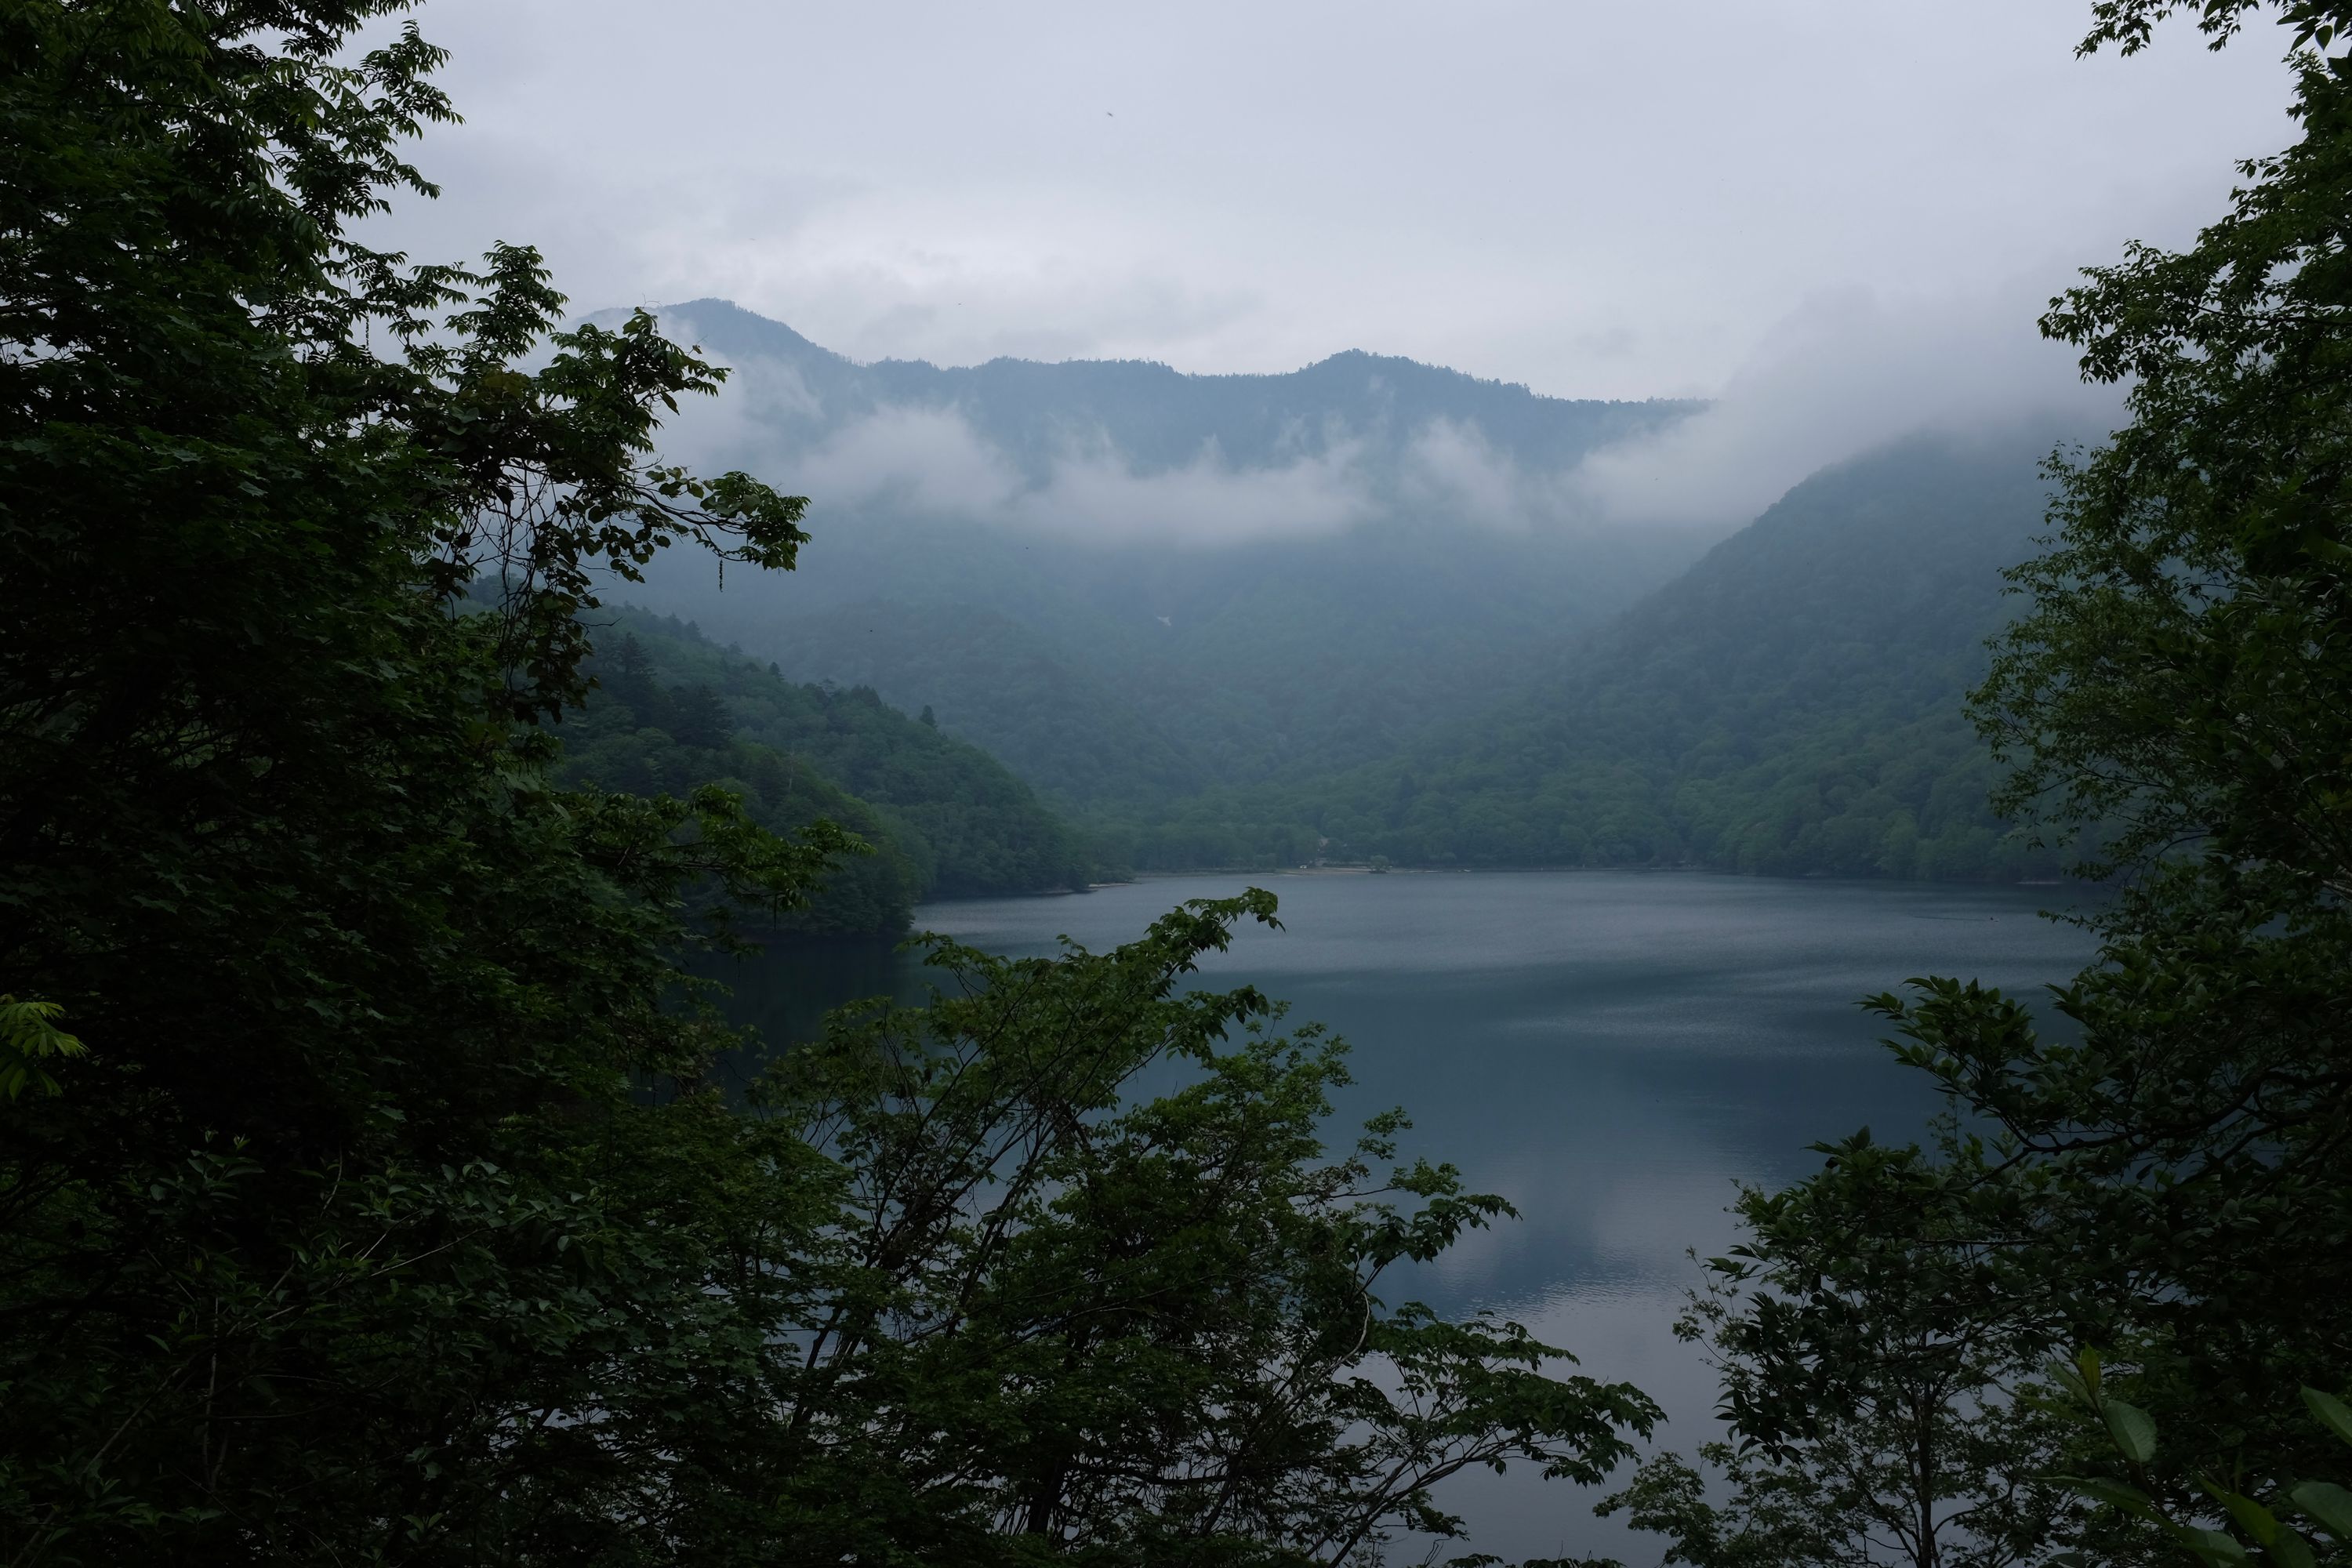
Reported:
(1849, 371)
(1835, 218)
(1610, 200)
(930, 462)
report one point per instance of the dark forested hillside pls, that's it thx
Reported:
(1790, 705)
(673, 711)
(1058, 722)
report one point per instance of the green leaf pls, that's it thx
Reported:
(2257, 1521)
(2099, 1489)
(2134, 1429)
(2292, 1551)
(2327, 1503)
(2224, 1551)
(2332, 1412)
(28, 1037)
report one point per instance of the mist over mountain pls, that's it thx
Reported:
(1351, 668)
(1791, 704)
(1132, 585)
(1097, 450)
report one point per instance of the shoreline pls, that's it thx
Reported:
(1683, 870)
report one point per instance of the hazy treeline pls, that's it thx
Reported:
(1102, 448)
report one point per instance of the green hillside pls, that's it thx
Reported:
(1791, 705)
(997, 682)
(1121, 680)
(672, 711)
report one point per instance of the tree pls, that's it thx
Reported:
(1871, 1364)
(313, 1242)
(1051, 1319)
(698, 717)
(2181, 687)
(364, 1197)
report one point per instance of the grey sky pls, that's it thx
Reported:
(1597, 200)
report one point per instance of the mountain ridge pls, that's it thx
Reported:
(1158, 418)
(1408, 546)
(1422, 684)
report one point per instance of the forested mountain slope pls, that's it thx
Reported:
(1453, 669)
(1791, 704)
(1287, 661)
(1132, 583)
(673, 711)
(1059, 724)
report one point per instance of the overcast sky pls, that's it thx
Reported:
(1617, 200)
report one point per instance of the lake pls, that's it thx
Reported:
(1611, 1051)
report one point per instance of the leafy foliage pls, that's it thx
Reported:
(1872, 1373)
(2183, 673)
(2251, 1530)
(2164, 1175)
(1049, 1319)
(294, 1244)
(384, 1213)
(29, 1037)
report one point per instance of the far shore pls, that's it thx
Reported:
(1141, 877)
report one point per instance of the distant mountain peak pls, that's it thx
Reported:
(1374, 413)
(726, 321)
(726, 317)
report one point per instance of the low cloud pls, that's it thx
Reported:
(928, 460)
(924, 461)
(1452, 473)
(1205, 502)
(931, 462)
(1850, 370)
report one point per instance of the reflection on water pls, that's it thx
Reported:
(1611, 1052)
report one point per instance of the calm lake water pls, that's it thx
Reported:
(1612, 1052)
